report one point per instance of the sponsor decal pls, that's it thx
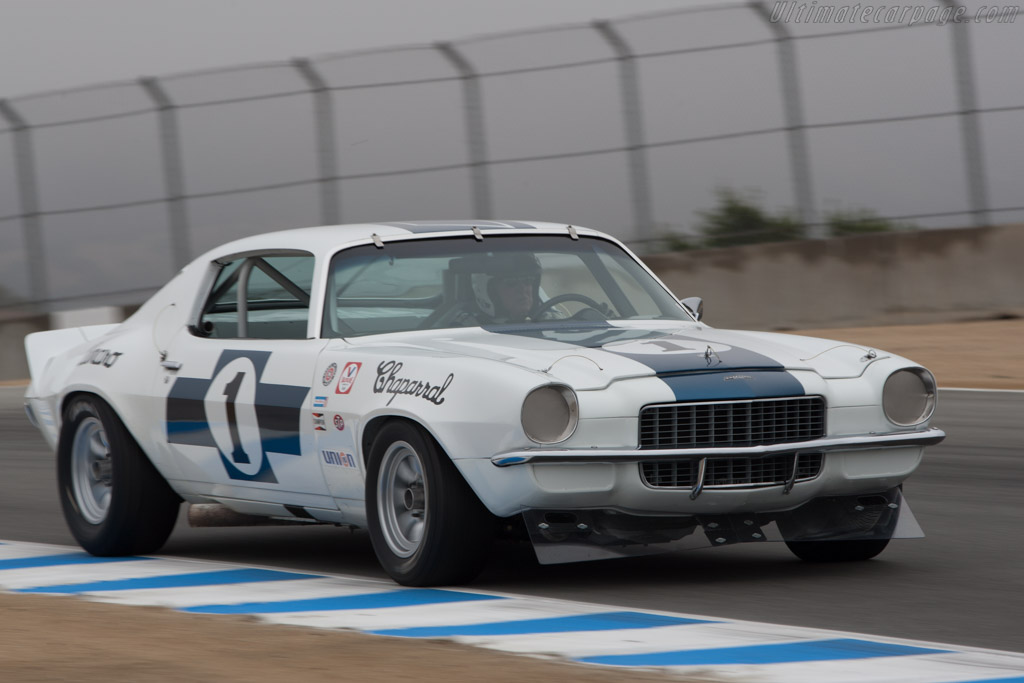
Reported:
(339, 423)
(734, 377)
(319, 401)
(238, 415)
(319, 424)
(329, 373)
(389, 382)
(338, 458)
(348, 377)
(104, 357)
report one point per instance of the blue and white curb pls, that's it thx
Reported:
(678, 644)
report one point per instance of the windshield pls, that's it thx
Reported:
(501, 280)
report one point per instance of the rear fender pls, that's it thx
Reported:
(42, 347)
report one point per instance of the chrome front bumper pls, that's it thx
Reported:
(928, 437)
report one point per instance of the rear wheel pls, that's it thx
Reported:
(114, 500)
(837, 551)
(426, 524)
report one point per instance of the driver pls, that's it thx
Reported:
(509, 288)
(513, 296)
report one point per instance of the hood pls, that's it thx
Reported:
(592, 355)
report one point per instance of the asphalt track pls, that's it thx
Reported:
(962, 584)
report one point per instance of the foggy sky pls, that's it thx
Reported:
(899, 168)
(51, 44)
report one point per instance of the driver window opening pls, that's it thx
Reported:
(275, 304)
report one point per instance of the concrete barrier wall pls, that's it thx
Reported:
(883, 279)
(879, 279)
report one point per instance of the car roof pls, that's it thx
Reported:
(329, 238)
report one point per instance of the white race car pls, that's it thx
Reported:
(441, 383)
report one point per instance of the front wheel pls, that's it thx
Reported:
(426, 524)
(837, 551)
(114, 500)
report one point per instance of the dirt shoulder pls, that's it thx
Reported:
(45, 638)
(59, 638)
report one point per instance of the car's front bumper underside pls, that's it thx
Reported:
(560, 536)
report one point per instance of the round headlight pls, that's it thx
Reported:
(550, 414)
(909, 396)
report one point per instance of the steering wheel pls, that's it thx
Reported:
(561, 298)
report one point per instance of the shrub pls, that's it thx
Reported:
(847, 222)
(738, 219)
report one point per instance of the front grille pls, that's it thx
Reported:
(769, 470)
(758, 422)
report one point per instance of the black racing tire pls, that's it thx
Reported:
(114, 500)
(427, 526)
(837, 551)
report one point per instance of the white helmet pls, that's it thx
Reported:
(499, 266)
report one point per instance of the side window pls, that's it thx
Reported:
(276, 301)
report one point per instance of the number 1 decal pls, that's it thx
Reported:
(237, 415)
(238, 453)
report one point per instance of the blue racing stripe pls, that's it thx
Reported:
(685, 364)
(1018, 679)
(673, 353)
(218, 578)
(813, 651)
(746, 384)
(604, 621)
(398, 598)
(61, 560)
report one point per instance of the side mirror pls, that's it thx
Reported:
(694, 306)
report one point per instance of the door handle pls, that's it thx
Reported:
(171, 365)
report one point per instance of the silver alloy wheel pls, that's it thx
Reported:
(91, 470)
(402, 499)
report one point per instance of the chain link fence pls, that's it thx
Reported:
(627, 126)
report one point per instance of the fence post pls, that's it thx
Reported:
(974, 161)
(330, 199)
(28, 198)
(174, 174)
(796, 132)
(632, 115)
(476, 138)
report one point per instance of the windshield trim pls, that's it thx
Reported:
(381, 243)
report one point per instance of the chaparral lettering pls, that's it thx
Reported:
(388, 382)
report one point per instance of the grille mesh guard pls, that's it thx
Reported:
(769, 470)
(758, 422)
